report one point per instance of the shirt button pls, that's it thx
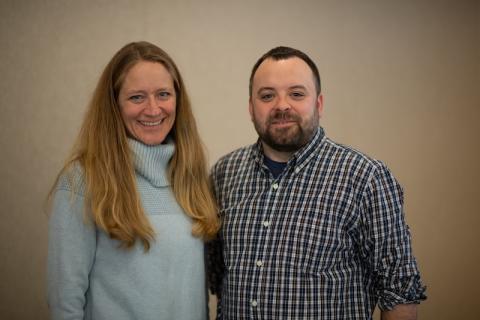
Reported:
(275, 186)
(297, 170)
(266, 224)
(259, 263)
(254, 303)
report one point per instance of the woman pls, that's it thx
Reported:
(132, 204)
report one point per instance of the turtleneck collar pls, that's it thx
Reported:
(151, 162)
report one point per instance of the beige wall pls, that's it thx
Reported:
(401, 82)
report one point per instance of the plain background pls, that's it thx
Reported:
(401, 83)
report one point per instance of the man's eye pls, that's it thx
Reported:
(297, 95)
(266, 97)
(136, 98)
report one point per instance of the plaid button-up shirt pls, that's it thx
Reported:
(325, 240)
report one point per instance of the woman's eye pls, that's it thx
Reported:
(136, 98)
(164, 95)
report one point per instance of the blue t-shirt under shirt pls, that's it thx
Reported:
(276, 168)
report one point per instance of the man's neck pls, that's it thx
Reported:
(278, 156)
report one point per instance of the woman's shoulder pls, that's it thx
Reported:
(72, 178)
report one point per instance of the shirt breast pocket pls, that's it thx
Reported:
(232, 236)
(319, 241)
(239, 213)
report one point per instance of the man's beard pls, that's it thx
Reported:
(291, 138)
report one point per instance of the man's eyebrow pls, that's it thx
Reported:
(265, 88)
(298, 86)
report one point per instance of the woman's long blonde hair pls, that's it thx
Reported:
(103, 152)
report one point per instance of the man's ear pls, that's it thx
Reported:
(319, 103)
(250, 108)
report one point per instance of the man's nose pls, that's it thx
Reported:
(282, 103)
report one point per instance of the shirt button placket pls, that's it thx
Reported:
(259, 263)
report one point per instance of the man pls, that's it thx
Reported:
(311, 229)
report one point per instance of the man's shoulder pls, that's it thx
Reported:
(348, 155)
(357, 167)
(236, 157)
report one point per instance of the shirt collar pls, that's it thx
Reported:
(300, 158)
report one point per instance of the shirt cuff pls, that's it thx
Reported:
(412, 292)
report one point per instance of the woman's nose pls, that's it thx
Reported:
(153, 106)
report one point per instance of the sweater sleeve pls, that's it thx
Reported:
(71, 252)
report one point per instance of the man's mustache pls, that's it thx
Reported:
(280, 115)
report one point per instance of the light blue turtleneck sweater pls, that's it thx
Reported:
(91, 277)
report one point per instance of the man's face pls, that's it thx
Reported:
(284, 105)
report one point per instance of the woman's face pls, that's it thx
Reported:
(147, 102)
